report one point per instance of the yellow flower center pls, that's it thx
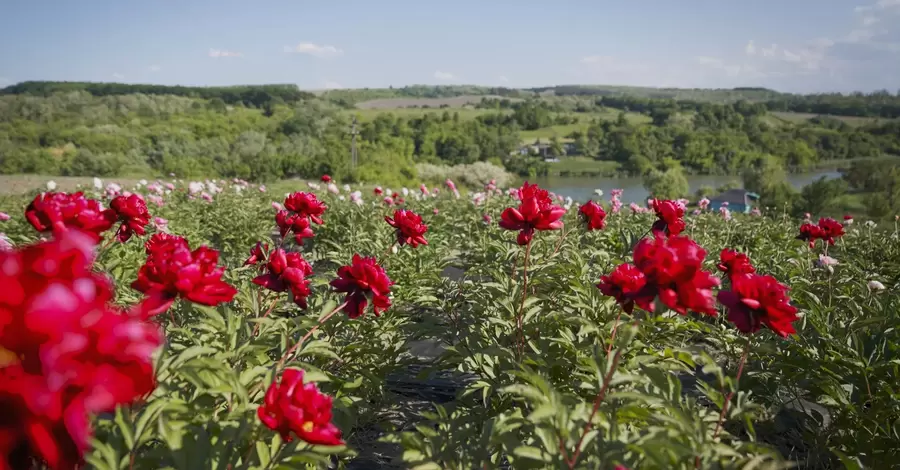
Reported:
(307, 426)
(7, 357)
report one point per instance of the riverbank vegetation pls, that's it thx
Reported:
(273, 132)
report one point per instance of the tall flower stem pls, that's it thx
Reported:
(612, 337)
(271, 308)
(728, 397)
(607, 379)
(308, 334)
(520, 327)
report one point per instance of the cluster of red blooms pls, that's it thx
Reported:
(535, 212)
(65, 353)
(667, 268)
(57, 212)
(409, 227)
(173, 270)
(294, 407)
(593, 215)
(670, 217)
(670, 268)
(284, 272)
(132, 212)
(361, 280)
(755, 300)
(299, 210)
(827, 230)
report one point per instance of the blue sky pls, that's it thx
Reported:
(789, 45)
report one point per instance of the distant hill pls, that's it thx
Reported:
(255, 95)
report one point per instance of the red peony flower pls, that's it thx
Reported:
(307, 205)
(810, 233)
(67, 353)
(593, 215)
(535, 212)
(172, 270)
(326, 179)
(294, 407)
(132, 211)
(410, 229)
(755, 300)
(56, 212)
(670, 217)
(287, 272)
(673, 268)
(161, 238)
(297, 223)
(257, 254)
(733, 263)
(362, 279)
(624, 284)
(831, 229)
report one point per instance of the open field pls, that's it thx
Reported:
(460, 346)
(454, 102)
(798, 118)
(369, 114)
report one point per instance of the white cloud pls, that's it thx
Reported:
(323, 51)
(118, 76)
(218, 53)
(869, 20)
(330, 85)
(444, 75)
(750, 49)
(4, 81)
(154, 68)
(503, 79)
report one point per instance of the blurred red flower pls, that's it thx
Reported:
(257, 254)
(670, 217)
(307, 205)
(172, 270)
(593, 215)
(535, 212)
(56, 212)
(831, 229)
(732, 263)
(624, 284)
(755, 300)
(291, 406)
(132, 211)
(810, 233)
(363, 279)
(287, 272)
(67, 353)
(410, 229)
(326, 178)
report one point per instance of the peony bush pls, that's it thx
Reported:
(222, 328)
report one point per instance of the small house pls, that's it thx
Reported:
(736, 200)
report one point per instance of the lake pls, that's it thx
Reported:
(581, 188)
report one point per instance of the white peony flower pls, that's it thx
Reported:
(98, 183)
(875, 286)
(51, 185)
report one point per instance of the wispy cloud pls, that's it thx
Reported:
(219, 53)
(330, 85)
(118, 76)
(154, 68)
(503, 79)
(323, 51)
(446, 76)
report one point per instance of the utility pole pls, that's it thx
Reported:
(354, 156)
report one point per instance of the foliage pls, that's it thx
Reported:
(650, 396)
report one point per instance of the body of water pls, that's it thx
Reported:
(582, 188)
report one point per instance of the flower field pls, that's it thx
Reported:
(192, 325)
